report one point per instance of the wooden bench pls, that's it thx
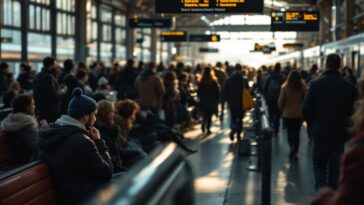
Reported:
(29, 184)
(5, 153)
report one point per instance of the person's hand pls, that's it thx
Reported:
(43, 123)
(94, 133)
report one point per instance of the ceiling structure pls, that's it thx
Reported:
(196, 23)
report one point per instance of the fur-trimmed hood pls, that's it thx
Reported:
(17, 121)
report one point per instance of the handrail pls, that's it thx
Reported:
(165, 178)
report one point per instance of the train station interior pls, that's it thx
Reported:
(193, 102)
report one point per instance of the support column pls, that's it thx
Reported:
(53, 29)
(24, 30)
(170, 54)
(99, 29)
(349, 14)
(130, 33)
(325, 22)
(80, 31)
(153, 41)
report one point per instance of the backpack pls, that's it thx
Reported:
(274, 89)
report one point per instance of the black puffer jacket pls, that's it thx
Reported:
(233, 91)
(21, 130)
(77, 164)
(328, 105)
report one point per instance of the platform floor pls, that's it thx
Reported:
(221, 177)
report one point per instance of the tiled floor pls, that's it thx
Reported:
(221, 177)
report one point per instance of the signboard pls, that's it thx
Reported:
(204, 38)
(137, 22)
(295, 21)
(6, 40)
(209, 6)
(209, 50)
(293, 45)
(173, 36)
(264, 48)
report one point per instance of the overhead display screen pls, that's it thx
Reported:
(150, 22)
(209, 6)
(295, 21)
(173, 36)
(209, 50)
(293, 45)
(204, 38)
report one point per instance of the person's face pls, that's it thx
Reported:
(31, 108)
(91, 119)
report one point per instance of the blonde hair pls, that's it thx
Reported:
(104, 107)
(358, 117)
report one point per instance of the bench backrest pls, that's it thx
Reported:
(29, 184)
(5, 152)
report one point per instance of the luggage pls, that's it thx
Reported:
(244, 147)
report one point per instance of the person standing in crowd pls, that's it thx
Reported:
(14, 90)
(221, 77)
(351, 184)
(272, 89)
(21, 128)
(233, 94)
(125, 81)
(25, 77)
(349, 74)
(290, 100)
(4, 67)
(47, 95)
(77, 158)
(209, 95)
(327, 108)
(68, 79)
(360, 85)
(171, 98)
(149, 89)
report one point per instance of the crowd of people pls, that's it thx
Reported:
(87, 136)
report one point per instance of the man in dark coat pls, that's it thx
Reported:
(77, 158)
(327, 107)
(272, 89)
(47, 95)
(233, 94)
(125, 81)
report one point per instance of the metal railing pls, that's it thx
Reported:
(165, 178)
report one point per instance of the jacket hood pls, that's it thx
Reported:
(17, 121)
(146, 74)
(53, 135)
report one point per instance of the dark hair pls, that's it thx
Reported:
(180, 65)
(48, 61)
(130, 63)
(169, 77)
(333, 61)
(4, 66)
(238, 67)
(68, 65)
(80, 74)
(219, 64)
(21, 102)
(294, 80)
(277, 67)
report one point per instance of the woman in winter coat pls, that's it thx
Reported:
(209, 95)
(171, 98)
(290, 98)
(20, 127)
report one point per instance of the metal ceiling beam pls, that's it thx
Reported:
(230, 28)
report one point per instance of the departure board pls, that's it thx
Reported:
(204, 38)
(137, 22)
(209, 6)
(295, 21)
(173, 36)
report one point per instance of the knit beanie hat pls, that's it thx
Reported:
(80, 105)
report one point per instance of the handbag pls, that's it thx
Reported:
(248, 102)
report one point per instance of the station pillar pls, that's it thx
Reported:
(130, 33)
(325, 22)
(80, 32)
(154, 45)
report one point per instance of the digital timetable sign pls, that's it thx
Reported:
(295, 21)
(209, 6)
(173, 36)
